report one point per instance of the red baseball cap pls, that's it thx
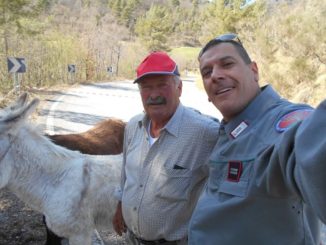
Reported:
(157, 63)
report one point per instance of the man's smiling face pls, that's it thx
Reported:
(229, 82)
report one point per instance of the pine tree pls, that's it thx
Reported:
(155, 28)
(224, 16)
(175, 3)
(14, 14)
(117, 8)
(127, 16)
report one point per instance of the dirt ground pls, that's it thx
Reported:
(19, 225)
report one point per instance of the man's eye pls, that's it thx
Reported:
(227, 64)
(206, 73)
(145, 88)
(163, 85)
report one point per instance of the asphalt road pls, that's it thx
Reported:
(79, 108)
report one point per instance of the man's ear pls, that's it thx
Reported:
(254, 68)
(180, 88)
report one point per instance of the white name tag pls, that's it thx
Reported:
(239, 129)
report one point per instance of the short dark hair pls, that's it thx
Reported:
(238, 46)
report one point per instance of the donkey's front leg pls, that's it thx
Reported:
(81, 239)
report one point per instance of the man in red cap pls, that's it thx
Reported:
(165, 154)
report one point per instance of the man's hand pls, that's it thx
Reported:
(118, 222)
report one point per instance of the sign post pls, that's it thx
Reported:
(15, 66)
(110, 70)
(72, 72)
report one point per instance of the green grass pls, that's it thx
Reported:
(186, 58)
(188, 53)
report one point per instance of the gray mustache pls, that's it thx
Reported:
(157, 101)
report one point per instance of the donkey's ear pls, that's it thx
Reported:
(20, 102)
(22, 113)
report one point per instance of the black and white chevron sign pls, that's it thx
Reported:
(71, 68)
(16, 65)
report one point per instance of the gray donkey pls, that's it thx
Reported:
(74, 191)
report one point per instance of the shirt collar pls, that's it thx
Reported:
(256, 108)
(173, 124)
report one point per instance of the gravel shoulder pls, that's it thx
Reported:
(19, 225)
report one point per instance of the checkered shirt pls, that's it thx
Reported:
(161, 183)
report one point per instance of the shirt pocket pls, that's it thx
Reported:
(218, 181)
(174, 184)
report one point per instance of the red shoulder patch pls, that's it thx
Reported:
(291, 118)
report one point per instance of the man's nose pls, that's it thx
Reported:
(217, 74)
(154, 93)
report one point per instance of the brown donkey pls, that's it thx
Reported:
(105, 138)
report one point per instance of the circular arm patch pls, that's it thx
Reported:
(292, 118)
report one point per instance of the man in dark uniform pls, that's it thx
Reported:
(268, 169)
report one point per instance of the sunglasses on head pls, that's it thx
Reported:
(228, 37)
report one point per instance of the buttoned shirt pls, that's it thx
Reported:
(267, 177)
(161, 183)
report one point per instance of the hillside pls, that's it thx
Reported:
(286, 38)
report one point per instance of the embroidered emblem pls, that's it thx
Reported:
(235, 170)
(239, 129)
(291, 118)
